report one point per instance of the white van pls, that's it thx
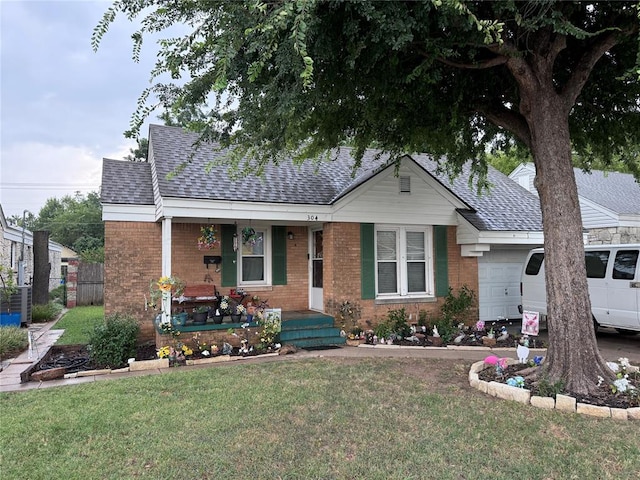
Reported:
(613, 275)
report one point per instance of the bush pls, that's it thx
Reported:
(13, 340)
(45, 313)
(398, 322)
(111, 344)
(446, 328)
(382, 330)
(457, 308)
(57, 294)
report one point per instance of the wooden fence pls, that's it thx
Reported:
(90, 284)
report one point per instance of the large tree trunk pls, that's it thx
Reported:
(41, 267)
(573, 356)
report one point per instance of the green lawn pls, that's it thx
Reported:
(78, 323)
(325, 418)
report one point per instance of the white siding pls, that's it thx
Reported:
(595, 216)
(381, 201)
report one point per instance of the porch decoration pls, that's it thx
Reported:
(249, 236)
(167, 285)
(208, 238)
(237, 312)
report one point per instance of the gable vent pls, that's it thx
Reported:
(405, 184)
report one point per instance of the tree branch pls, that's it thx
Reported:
(492, 62)
(508, 119)
(576, 82)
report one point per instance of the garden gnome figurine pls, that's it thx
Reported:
(504, 335)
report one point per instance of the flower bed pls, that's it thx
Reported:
(608, 404)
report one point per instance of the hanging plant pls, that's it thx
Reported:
(208, 238)
(249, 236)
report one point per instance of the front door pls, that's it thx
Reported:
(316, 301)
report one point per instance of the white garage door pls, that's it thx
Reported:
(499, 283)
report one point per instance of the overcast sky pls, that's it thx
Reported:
(63, 107)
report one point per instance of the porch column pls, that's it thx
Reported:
(166, 267)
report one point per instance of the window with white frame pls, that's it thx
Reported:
(254, 257)
(403, 261)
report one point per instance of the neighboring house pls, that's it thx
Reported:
(609, 203)
(378, 239)
(16, 242)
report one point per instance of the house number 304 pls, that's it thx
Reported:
(312, 217)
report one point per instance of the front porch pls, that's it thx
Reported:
(302, 328)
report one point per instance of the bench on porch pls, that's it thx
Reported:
(198, 294)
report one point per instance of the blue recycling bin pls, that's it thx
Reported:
(10, 319)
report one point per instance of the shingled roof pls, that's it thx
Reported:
(619, 192)
(127, 183)
(508, 207)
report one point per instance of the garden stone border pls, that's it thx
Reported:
(162, 363)
(562, 403)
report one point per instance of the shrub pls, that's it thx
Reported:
(111, 344)
(398, 322)
(456, 308)
(45, 313)
(13, 340)
(422, 319)
(57, 294)
(446, 328)
(382, 330)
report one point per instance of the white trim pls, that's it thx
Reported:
(468, 234)
(128, 213)
(266, 255)
(401, 261)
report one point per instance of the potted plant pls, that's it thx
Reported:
(208, 238)
(200, 315)
(7, 289)
(237, 312)
(224, 308)
(249, 236)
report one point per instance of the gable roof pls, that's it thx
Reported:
(507, 207)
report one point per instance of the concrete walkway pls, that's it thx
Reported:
(43, 336)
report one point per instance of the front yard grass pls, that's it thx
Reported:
(78, 323)
(329, 418)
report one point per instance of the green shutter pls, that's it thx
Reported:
(367, 261)
(278, 256)
(229, 257)
(442, 262)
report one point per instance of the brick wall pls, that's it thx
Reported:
(133, 257)
(342, 276)
(133, 254)
(72, 283)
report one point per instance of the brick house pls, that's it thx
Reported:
(382, 238)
